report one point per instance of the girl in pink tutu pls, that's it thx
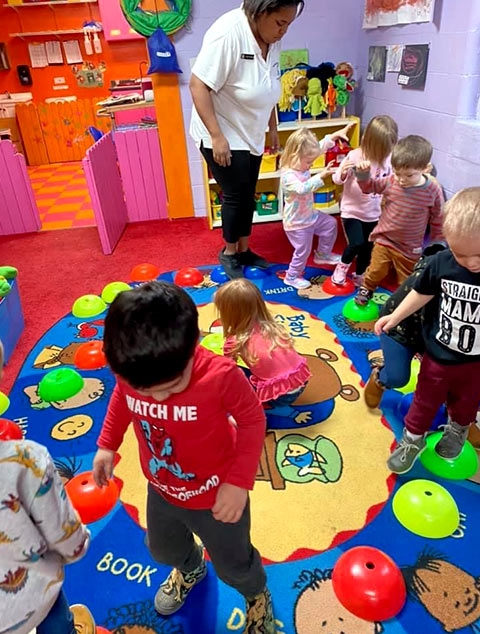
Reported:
(277, 372)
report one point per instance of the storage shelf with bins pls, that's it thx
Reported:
(270, 181)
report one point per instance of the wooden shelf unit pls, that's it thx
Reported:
(320, 127)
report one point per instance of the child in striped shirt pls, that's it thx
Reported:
(413, 200)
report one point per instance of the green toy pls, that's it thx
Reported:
(6, 273)
(426, 509)
(360, 314)
(460, 468)
(4, 403)
(147, 22)
(214, 342)
(316, 104)
(112, 290)
(59, 385)
(412, 381)
(88, 306)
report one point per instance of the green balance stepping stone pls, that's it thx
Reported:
(88, 306)
(462, 467)
(357, 313)
(59, 385)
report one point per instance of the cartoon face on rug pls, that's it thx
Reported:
(451, 595)
(92, 390)
(140, 618)
(318, 611)
(72, 427)
(301, 459)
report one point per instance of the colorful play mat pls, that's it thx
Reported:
(322, 486)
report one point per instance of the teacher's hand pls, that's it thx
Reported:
(221, 151)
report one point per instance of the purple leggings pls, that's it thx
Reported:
(301, 240)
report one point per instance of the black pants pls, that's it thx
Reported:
(238, 182)
(359, 247)
(170, 540)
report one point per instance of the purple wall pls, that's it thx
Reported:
(327, 32)
(451, 93)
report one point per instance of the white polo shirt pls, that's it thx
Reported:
(245, 87)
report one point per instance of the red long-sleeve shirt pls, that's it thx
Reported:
(406, 214)
(187, 445)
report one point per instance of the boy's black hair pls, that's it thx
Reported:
(151, 333)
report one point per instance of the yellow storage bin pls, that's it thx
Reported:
(217, 212)
(269, 163)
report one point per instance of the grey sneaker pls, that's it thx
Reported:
(231, 265)
(259, 612)
(452, 441)
(174, 591)
(405, 453)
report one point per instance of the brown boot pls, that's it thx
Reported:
(83, 619)
(373, 390)
(474, 436)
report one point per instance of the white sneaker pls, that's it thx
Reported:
(339, 276)
(300, 283)
(326, 258)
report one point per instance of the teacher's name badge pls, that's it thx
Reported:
(247, 56)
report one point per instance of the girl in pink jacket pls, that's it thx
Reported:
(360, 212)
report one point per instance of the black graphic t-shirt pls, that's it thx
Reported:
(451, 320)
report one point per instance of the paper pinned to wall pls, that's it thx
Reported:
(38, 55)
(390, 12)
(73, 54)
(394, 58)
(54, 52)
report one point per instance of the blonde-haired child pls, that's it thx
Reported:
(301, 220)
(448, 291)
(278, 373)
(360, 212)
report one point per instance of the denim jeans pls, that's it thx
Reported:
(59, 620)
(397, 362)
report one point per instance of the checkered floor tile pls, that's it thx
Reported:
(62, 196)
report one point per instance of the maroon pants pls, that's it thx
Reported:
(456, 385)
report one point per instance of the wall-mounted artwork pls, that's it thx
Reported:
(413, 71)
(377, 63)
(389, 12)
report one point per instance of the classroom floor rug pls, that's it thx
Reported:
(322, 487)
(62, 196)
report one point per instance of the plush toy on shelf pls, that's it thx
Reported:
(316, 104)
(331, 98)
(293, 85)
(6, 273)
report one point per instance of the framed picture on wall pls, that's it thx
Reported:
(413, 71)
(377, 63)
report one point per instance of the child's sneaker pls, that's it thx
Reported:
(326, 258)
(339, 276)
(300, 283)
(374, 389)
(363, 296)
(174, 591)
(259, 612)
(83, 619)
(405, 453)
(358, 279)
(451, 443)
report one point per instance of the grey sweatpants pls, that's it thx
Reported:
(170, 540)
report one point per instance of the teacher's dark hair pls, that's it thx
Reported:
(254, 8)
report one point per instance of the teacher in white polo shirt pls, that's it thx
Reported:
(235, 86)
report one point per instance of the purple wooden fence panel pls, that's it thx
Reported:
(106, 191)
(18, 209)
(141, 167)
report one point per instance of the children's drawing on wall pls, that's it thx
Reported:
(394, 58)
(389, 12)
(89, 75)
(377, 63)
(413, 71)
(293, 57)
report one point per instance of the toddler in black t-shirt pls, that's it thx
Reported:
(449, 291)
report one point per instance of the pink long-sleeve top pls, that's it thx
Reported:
(276, 372)
(355, 203)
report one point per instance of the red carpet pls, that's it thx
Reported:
(56, 267)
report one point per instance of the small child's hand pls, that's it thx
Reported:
(347, 165)
(329, 169)
(343, 133)
(103, 466)
(384, 324)
(363, 166)
(230, 503)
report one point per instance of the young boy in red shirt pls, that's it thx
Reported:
(199, 466)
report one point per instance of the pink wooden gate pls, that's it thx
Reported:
(106, 191)
(141, 168)
(18, 209)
